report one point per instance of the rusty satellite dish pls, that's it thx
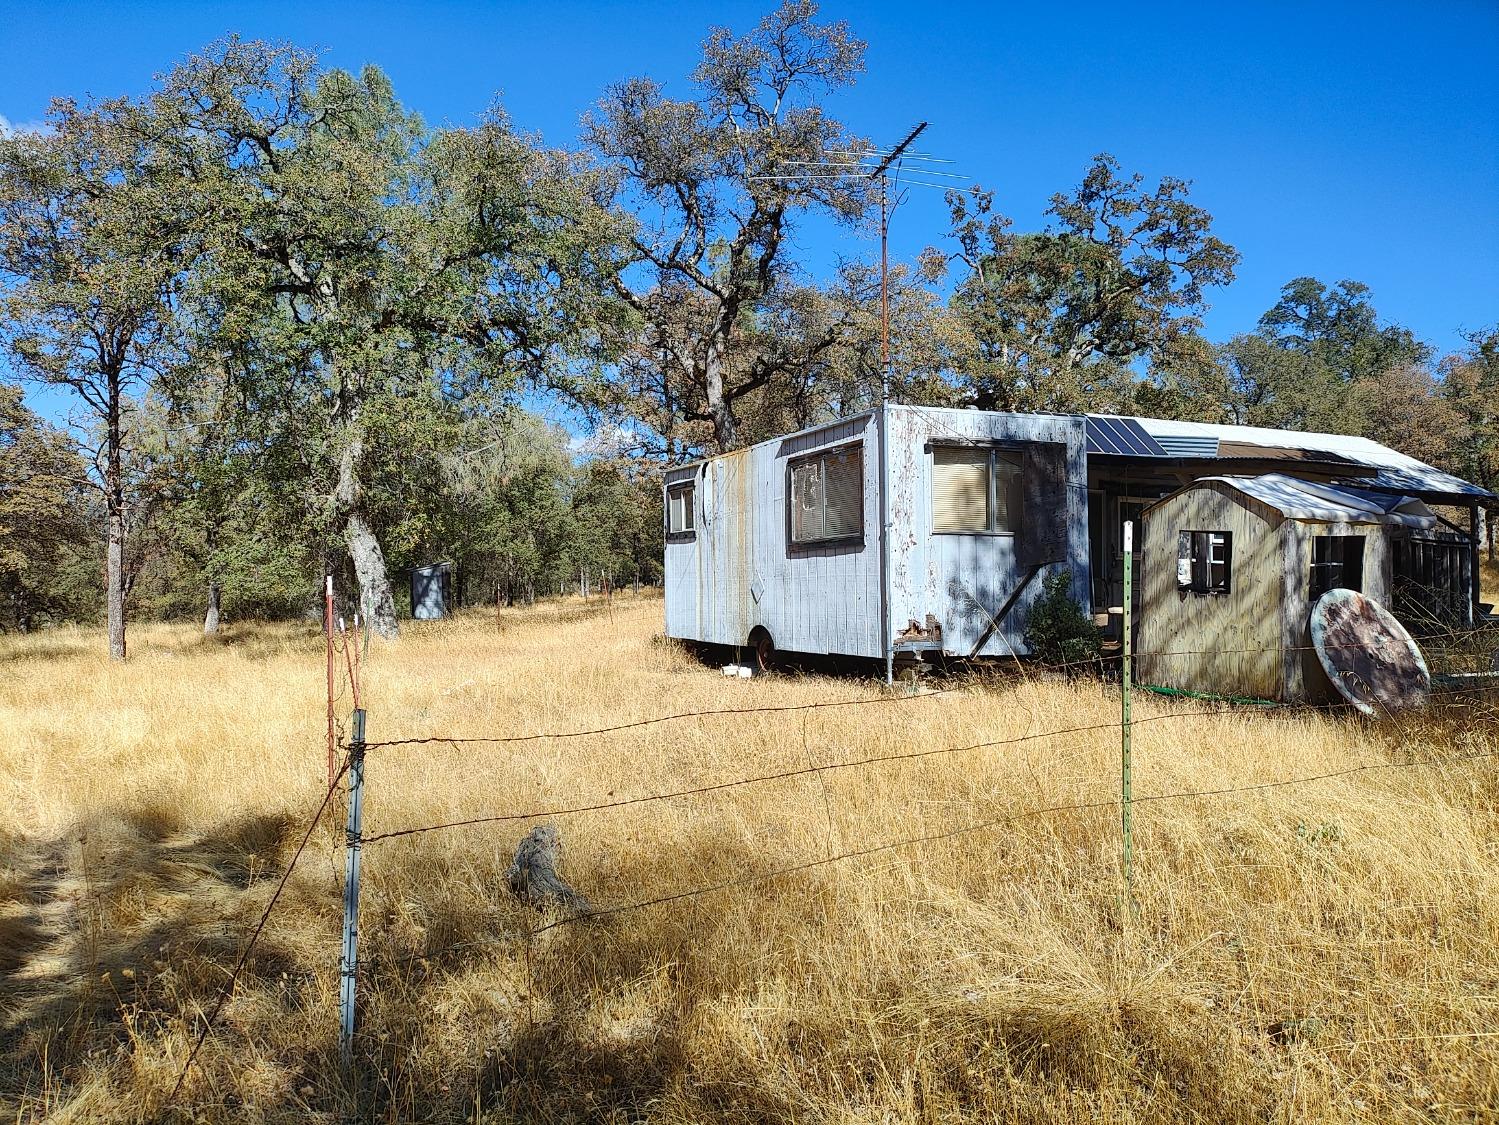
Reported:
(1369, 657)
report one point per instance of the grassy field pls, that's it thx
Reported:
(1318, 952)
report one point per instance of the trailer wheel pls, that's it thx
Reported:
(764, 648)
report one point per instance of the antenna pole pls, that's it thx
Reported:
(884, 288)
(880, 172)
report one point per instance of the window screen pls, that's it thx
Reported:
(1204, 561)
(827, 496)
(975, 490)
(680, 509)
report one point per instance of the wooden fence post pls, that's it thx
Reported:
(328, 641)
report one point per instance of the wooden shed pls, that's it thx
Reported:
(1231, 566)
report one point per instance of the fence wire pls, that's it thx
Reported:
(1262, 710)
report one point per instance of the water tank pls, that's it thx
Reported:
(431, 591)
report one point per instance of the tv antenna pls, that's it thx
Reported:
(886, 165)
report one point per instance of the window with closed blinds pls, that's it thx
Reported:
(827, 496)
(975, 490)
(960, 489)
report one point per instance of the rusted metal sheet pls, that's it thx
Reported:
(1368, 656)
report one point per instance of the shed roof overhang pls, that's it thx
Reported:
(1351, 460)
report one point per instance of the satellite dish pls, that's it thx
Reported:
(1369, 657)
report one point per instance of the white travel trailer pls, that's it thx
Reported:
(904, 529)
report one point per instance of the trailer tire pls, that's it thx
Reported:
(763, 648)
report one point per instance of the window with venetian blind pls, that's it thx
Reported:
(827, 496)
(975, 490)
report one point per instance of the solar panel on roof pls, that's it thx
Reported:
(1124, 437)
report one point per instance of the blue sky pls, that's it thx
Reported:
(1355, 140)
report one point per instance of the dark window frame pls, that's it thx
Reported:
(1332, 571)
(1195, 547)
(823, 455)
(689, 533)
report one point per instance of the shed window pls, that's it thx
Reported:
(1204, 561)
(681, 509)
(975, 490)
(827, 496)
(1337, 564)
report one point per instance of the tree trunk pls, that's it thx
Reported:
(211, 617)
(725, 425)
(114, 503)
(376, 602)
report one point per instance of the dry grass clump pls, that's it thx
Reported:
(1319, 952)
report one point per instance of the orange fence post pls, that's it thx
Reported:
(328, 635)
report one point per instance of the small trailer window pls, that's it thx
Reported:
(1337, 564)
(680, 504)
(827, 496)
(975, 490)
(1204, 561)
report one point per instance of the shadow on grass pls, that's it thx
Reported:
(39, 647)
(121, 926)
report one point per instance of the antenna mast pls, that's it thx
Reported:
(864, 162)
(882, 172)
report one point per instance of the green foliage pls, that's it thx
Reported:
(716, 184)
(1060, 630)
(95, 242)
(1339, 329)
(49, 557)
(1470, 385)
(1055, 319)
(385, 271)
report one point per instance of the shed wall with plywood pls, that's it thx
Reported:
(1228, 644)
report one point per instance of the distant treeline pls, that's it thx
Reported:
(295, 330)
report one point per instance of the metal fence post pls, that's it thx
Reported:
(349, 963)
(1126, 825)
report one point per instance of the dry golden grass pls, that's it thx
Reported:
(1321, 952)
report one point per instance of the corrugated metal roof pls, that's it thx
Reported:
(1389, 470)
(1307, 500)
(1187, 445)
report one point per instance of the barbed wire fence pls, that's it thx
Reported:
(350, 767)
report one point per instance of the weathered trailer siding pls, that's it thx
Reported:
(1229, 644)
(961, 579)
(740, 571)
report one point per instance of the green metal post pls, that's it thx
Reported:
(1126, 817)
(348, 969)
